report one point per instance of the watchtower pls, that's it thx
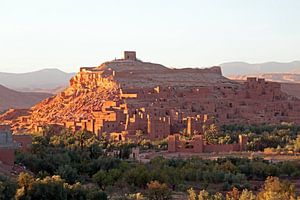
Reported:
(130, 55)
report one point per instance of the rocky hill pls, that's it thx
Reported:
(85, 93)
(92, 87)
(127, 94)
(14, 99)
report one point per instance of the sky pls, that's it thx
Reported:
(68, 34)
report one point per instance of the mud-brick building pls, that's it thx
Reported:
(9, 143)
(7, 146)
(199, 145)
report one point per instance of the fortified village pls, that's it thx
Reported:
(127, 96)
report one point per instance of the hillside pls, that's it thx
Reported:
(14, 99)
(91, 87)
(46, 80)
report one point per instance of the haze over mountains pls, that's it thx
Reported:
(243, 68)
(46, 80)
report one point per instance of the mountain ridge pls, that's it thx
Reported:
(244, 68)
(19, 100)
(46, 80)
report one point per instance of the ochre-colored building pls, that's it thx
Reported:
(9, 143)
(198, 145)
(7, 146)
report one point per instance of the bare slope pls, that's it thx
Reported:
(13, 99)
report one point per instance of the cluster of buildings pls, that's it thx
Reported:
(9, 143)
(157, 103)
(146, 100)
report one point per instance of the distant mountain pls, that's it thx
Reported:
(46, 80)
(14, 99)
(242, 68)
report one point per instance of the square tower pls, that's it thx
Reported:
(130, 55)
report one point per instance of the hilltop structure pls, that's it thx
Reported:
(129, 98)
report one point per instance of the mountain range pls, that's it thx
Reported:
(243, 68)
(14, 99)
(46, 80)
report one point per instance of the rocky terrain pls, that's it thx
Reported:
(14, 99)
(84, 94)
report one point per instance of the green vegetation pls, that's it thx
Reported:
(80, 166)
(273, 189)
(281, 136)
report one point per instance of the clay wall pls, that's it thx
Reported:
(24, 142)
(158, 128)
(7, 147)
(173, 142)
(221, 148)
(197, 145)
(7, 155)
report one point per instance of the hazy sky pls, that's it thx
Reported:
(67, 34)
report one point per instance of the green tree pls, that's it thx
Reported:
(96, 195)
(137, 176)
(68, 173)
(211, 134)
(49, 188)
(101, 179)
(7, 188)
